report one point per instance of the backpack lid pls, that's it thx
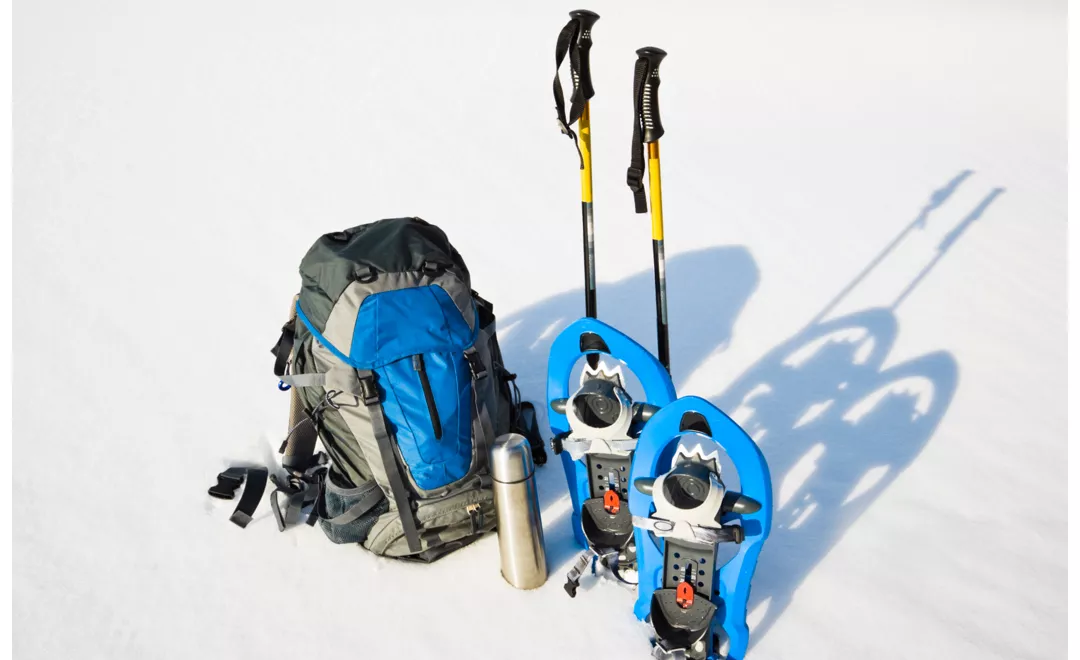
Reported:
(379, 292)
(394, 245)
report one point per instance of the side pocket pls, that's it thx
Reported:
(347, 515)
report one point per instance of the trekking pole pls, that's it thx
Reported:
(576, 39)
(648, 130)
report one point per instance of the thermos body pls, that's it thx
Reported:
(517, 510)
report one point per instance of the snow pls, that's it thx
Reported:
(173, 162)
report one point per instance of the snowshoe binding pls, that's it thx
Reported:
(682, 512)
(596, 429)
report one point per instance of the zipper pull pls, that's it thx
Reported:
(476, 517)
(418, 362)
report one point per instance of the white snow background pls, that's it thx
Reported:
(866, 214)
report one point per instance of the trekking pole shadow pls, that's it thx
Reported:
(835, 426)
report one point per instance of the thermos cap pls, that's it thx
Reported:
(511, 459)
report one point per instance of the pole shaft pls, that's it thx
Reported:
(587, 236)
(656, 206)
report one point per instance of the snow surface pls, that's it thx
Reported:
(173, 162)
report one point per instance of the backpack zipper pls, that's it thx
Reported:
(429, 396)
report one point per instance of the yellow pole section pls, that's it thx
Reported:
(585, 140)
(655, 203)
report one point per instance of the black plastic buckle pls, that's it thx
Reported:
(634, 177)
(433, 268)
(228, 482)
(556, 444)
(369, 393)
(476, 365)
(366, 277)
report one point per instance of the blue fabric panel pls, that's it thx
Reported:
(395, 324)
(431, 463)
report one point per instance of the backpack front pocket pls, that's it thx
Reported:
(428, 407)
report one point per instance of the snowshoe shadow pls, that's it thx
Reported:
(836, 425)
(837, 429)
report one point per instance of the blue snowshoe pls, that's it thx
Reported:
(682, 515)
(595, 431)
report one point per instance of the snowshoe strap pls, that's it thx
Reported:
(611, 560)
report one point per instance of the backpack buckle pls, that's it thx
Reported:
(432, 268)
(634, 177)
(369, 393)
(366, 276)
(476, 365)
(227, 484)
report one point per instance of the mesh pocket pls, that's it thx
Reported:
(347, 515)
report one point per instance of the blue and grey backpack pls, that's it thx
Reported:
(395, 368)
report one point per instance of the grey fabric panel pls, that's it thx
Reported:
(441, 521)
(357, 426)
(338, 439)
(391, 245)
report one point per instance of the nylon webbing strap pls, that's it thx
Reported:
(300, 489)
(294, 505)
(635, 174)
(342, 379)
(390, 466)
(481, 423)
(577, 103)
(254, 485)
(481, 426)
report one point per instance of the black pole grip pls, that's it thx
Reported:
(650, 106)
(583, 75)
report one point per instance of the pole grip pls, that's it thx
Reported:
(650, 106)
(583, 74)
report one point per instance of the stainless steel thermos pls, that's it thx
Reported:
(517, 511)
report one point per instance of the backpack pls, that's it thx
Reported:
(395, 367)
